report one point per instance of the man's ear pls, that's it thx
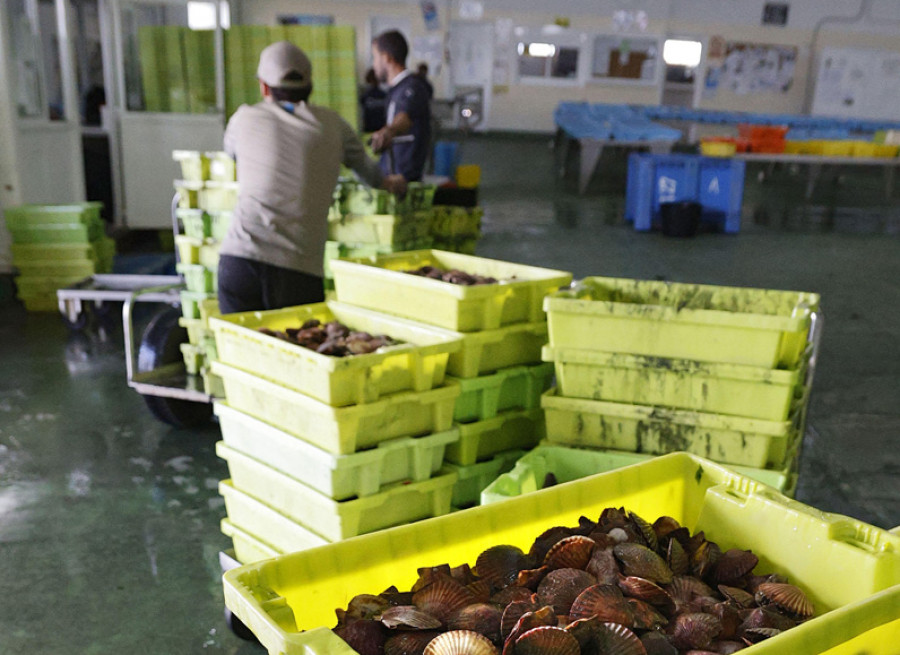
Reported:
(264, 89)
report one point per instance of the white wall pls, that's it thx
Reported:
(530, 108)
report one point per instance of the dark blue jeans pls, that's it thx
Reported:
(246, 285)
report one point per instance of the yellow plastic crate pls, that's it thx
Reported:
(44, 286)
(265, 524)
(193, 358)
(197, 332)
(491, 350)
(749, 391)
(280, 599)
(57, 268)
(471, 480)
(199, 224)
(381, 284)
(40, 303)
(522, 429)
(25, 253)
(222, 168)
(659, 430)
(190, 303)
(193, 251)
(728, 325)
(194, 165)
(339, 430)
(797, 147)
(199, 278)
(248, 548)
(188, 193)
(394, 504)
(886, 150)
(418, 363)
(836, 148)
(218, 196)
(379, 229)
(717, 148)
(568, 464)
(213, 384)
(336, 476)
(518, 387)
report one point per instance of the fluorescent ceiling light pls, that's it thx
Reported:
(202, 15)
(541, 49)
(682, 53)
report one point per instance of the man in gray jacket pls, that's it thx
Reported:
(288, 155)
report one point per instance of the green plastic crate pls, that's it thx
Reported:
(198, 251)
(44, 286)
(418, 363)
(213, 385)
(194, 165)
(196, 223)
(289, 602)
(659, 430)
(57, 233)
(518, 387)
(197, 331)
(193, 358)
(336, 476)
(218, 196)
(71, 252)
(492, 350)
(190, 303)
(471, 480)
(728, 325)
(26, 216)
(247, 547)
(381, 284)
(57, 268)
(339, 430)
(394, 504)
(40, 303)
(199, 278)
(378, 229)
(188, 193)
(749, 391)
(265, 524)
(456, 222)
(222, 167)
(568, 464)
(518, 429)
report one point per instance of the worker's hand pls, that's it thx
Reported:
(396, 184)
(381, 139)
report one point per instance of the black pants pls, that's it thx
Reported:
(246, 285)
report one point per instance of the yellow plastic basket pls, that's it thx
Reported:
(194, 165)
(336, 476)
(521, 429)
(848, 569)
(222, 168)
(517, 387)
(748, 391)
(339, 430)
(418, 363)
(394, 504)
(492, 350)
(717, 148)
(380, 284)
(380, 229)
(727, 325)
(660, 430)
(247, 547)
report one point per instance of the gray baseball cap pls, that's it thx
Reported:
(278, 60)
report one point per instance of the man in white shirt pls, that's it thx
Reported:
(288, 155)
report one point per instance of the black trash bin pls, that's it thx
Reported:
(680, 219)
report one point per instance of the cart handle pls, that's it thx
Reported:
(128, 324)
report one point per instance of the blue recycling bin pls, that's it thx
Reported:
(446, 158)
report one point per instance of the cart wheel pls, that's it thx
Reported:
(81, 321)
(238, 628)
(160, 345)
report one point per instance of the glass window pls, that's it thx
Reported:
(541, 59)
(26, 60)
(627, 58)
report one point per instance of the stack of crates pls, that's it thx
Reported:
(656, 367)
(322, 448)
(55, 246)
(456, 229)
(366, 222)
(498, 369)
(207, 194)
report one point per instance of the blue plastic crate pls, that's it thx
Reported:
(721, 191)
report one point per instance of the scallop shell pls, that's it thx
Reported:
(729, 617)
(547, 640)
(409, 642)
(512, 613)
(499, 565)
(603, 601)
(602, 539)
(430, 574)
(583, 630)
(705, 558)
(642, 562)
(408, 616)
(561, 587)
(754, 581)
(676, 558)
(511, 594)
(646, 591)
(395, 597)
(786, 597)
(684, 588)
(695, 630)
(603, 566)
(460, 642)
(664, 526)
(726, 647)
(765, 618)
(646, 617)
(570, 553)
(756, 635)
(531, 578)
(480, 589)
(545, 541)
(545, 616)
(733, 565)
(483, 618)
(613, 518)
(645, 530)
(443, 598)
(463, 574)
(656, 644)
(616, 639)
(365, 636)
(366, 606)
(737, 596)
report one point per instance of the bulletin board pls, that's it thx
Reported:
(749, 68)
(858, 83)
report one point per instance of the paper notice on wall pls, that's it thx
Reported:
(429, 49)
(430, 15)
(471, 10)
(747, 68)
